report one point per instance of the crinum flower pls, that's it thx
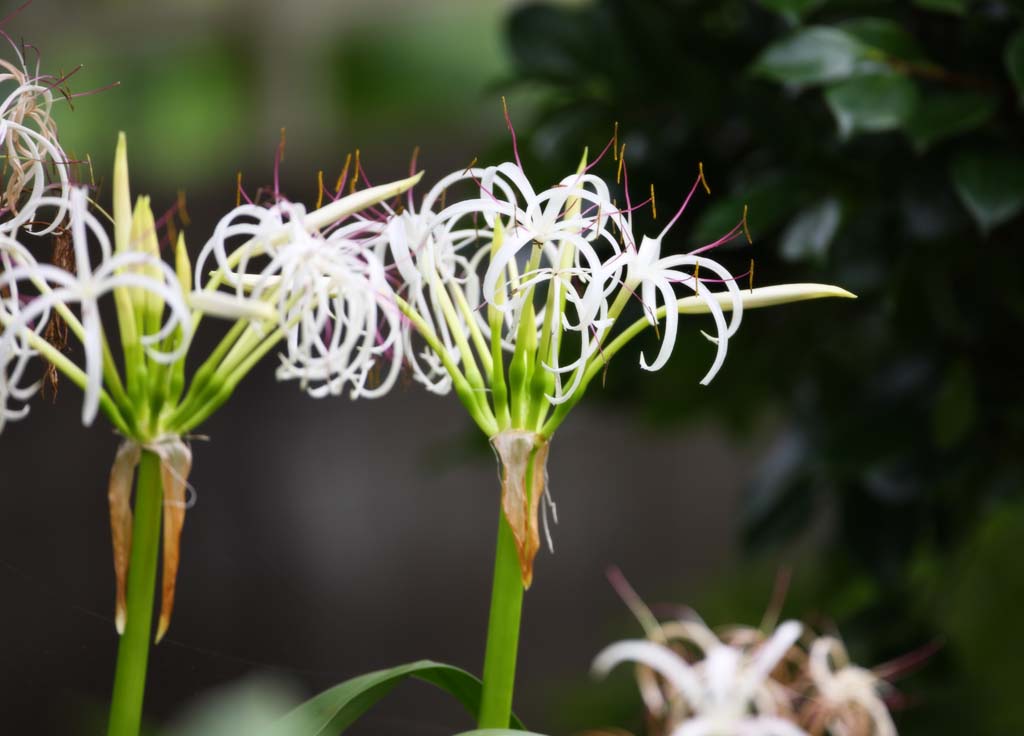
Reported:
(517, 292)
(725, 692)
(151, 402)
(846, 699)
(35, 162)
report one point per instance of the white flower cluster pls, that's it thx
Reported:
(31, 292)
(480, 238)
(563, 260)
(748, 683)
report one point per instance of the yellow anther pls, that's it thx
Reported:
(238, 188)
(751, 275)
(355, 174)
(504, 106)
(700, 169)
(615, 142)
(88, 160)
(746, 230)
(183, 215)
(343, 174)
(654, 205)
(471, 165)
(696, 276)
(319, 188)
(622, 161)
(444, 197)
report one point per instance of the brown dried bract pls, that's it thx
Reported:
(175, 465)
(56, 332)
(119, 493)
(523, 456)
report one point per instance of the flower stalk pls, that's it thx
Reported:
(503, 627)
(133, 647)
(515, 293)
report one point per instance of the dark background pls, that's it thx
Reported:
(873, 448)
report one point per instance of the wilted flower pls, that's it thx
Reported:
(747, 681)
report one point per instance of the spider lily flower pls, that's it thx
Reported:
(28, 136)
(59, 289)
(847, 697)
(154, 405)
(517, 293)
(316, 281)
(725, 692)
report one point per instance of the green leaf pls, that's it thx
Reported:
(955, 407)
(498, 732)
(1014, 58)
(333, 710)
(871, 104)
(810, 233)
(957, 7)
(814, 55)
(885, 35)
(946, 114)
(991, 186)
(792, 10)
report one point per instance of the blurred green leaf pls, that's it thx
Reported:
(885, 35)
(243, 707)
(771, 199)
(548, 41)
(810, 233)
(955, 410)
(983, 615)
(958, 7)
(991, 186)
(946, 114)
(1014, 58)
(498, 732)
(812, 55)
(871, 104)
(792, 10)
(333, 710)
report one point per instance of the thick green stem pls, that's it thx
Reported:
(502, 633)
(133, 649)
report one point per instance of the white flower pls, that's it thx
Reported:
(54, 288)
(434, 261)
(317, 279)
(724, 694)
(28, 136)
(843, 688)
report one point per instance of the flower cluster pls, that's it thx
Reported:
(746, 681)
(513, 297)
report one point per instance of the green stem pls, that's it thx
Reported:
(133, 649)
(502, 633)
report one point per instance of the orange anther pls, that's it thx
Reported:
(700, 169)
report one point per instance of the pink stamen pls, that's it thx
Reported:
(15, 12)
(600, 156)
(908, 663)
(512, 132)
(683, 207)
(731, 235)
(278, 157)
(412, 172)
(96, 90)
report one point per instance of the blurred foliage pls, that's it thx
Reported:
(183, 106)
(880, 146)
